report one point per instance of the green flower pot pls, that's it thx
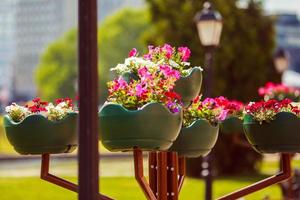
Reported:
(189, 86)
(278, 136)
(38, 135)
(153, 127)
(232, 125)
(196, 140)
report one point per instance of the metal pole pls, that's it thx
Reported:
(88, 101)
(209, 71)
(206, 163)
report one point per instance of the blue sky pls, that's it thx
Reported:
(283, 5)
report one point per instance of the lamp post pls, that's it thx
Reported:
(209, 24)
(281, 60)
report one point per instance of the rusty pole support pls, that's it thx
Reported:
(162, 176)
(283, 175)
(88, 101)
(45, 175)
(172, 176)
(152, 162)
(139, 174)
(181, 172)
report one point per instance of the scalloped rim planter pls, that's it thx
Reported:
(281, 135)
(38, 135)
(232, 125)
(153, 127)
(196, 140)
(189, 86)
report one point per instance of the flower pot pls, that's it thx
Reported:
(196, 140)
(232, 125)
(278, 136)
(189, 86)
(38, 135)
(153, 127)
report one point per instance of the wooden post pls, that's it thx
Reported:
(88, 101)
(152, 168)
(162, 176)
(172, 176)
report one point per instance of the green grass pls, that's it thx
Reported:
(122, 189)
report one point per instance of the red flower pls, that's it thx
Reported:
(173, 95)
(36, 100)
(196, 100)
(67, 100)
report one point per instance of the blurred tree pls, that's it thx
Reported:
(243, 62)
(56, 74)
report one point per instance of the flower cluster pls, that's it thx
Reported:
(211, 109)
(278, 92)
(166, 55)
(53, 112)
(266, 110)
(233, 108)
(152, 86)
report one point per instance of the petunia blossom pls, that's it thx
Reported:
(185, 53)
(133, 52)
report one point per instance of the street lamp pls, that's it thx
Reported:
(209, 24)
(281, 60)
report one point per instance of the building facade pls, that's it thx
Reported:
(288, 38)
(27, 27)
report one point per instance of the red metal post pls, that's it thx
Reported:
(172, 176)
(88, 101)
(152, 168)
(162, 176)
(283, 175)
(181, 172)
(139, 174)
(45, 175)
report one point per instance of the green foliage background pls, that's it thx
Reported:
(56, 74)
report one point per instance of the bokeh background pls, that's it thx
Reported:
(38, 58)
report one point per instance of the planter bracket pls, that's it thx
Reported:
(45, 175)
(283, 175)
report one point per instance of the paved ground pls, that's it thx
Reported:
(109, 167)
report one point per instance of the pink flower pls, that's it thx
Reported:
(209, 102)
(222, 115)
(119, 84)
(185, 53)
(145, 74)
(169, 72)
(133, 52)
(140, 90)
(168, 50)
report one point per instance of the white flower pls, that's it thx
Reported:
(186, 63)
(120, 68)
(16, 112)
(173, 63)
